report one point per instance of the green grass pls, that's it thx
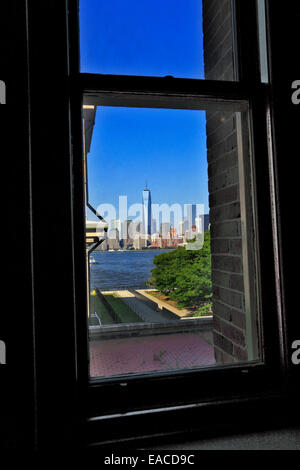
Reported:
(96, 305)
(124, 312)
(204, 311)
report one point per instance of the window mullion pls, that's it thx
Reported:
(213, 89)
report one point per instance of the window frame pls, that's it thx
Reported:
(238, 382)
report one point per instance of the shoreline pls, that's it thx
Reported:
(148, 250)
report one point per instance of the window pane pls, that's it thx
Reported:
(171, 264)
(262, 36)
(185, 38)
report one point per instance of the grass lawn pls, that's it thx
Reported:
(96, 305)
(124, 312)
(204, 310)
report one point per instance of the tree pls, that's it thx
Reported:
(184, 275)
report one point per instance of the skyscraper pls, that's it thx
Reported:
(147, 218)
(191, 215)
(165, 230)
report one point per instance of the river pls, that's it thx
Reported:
(122, 269)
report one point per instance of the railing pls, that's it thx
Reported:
(126, 330)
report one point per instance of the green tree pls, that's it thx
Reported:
(184, 275)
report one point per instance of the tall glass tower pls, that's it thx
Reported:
(191, 215)
(147, 218)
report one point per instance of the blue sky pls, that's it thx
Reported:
(130, 145)
(142, 37)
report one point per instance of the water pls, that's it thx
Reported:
(122, 270)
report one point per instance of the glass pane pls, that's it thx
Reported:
(262, 35)
(169, 226)
(183, 38)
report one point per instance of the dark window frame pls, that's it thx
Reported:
(238, 384)
(128, 91)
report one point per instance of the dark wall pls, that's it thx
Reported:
(285, 69)
(16, 319)
(37, 383)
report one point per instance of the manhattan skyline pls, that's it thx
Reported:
(165, 146)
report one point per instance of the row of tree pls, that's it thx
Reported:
(184, 275)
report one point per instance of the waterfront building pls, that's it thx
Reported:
(116, 224)
(139, 243)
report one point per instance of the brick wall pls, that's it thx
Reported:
(217, 31)
(229, 305)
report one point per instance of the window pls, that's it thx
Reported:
(157, 38)
(231, 100)
(200, 306)
(49, 395)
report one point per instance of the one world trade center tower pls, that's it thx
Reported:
(147, 219)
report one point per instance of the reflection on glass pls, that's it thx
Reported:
(171, 282)
(261, 11)
(183, 38)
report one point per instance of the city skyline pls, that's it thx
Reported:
(166, 146)
(164, 222)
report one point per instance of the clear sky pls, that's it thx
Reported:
(130, 145)
(142, 37)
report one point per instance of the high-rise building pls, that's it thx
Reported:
(206, 222)
(116, 224)
(191, 215)
(153, 226)
(181, 228)
(165, 230)
(147, 217)
(126, 233)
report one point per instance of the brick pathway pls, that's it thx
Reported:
(151, 353)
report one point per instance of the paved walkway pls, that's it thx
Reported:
(152, 353)
(181, 313)
(145, 312)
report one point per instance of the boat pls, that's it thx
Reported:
(92, 260)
